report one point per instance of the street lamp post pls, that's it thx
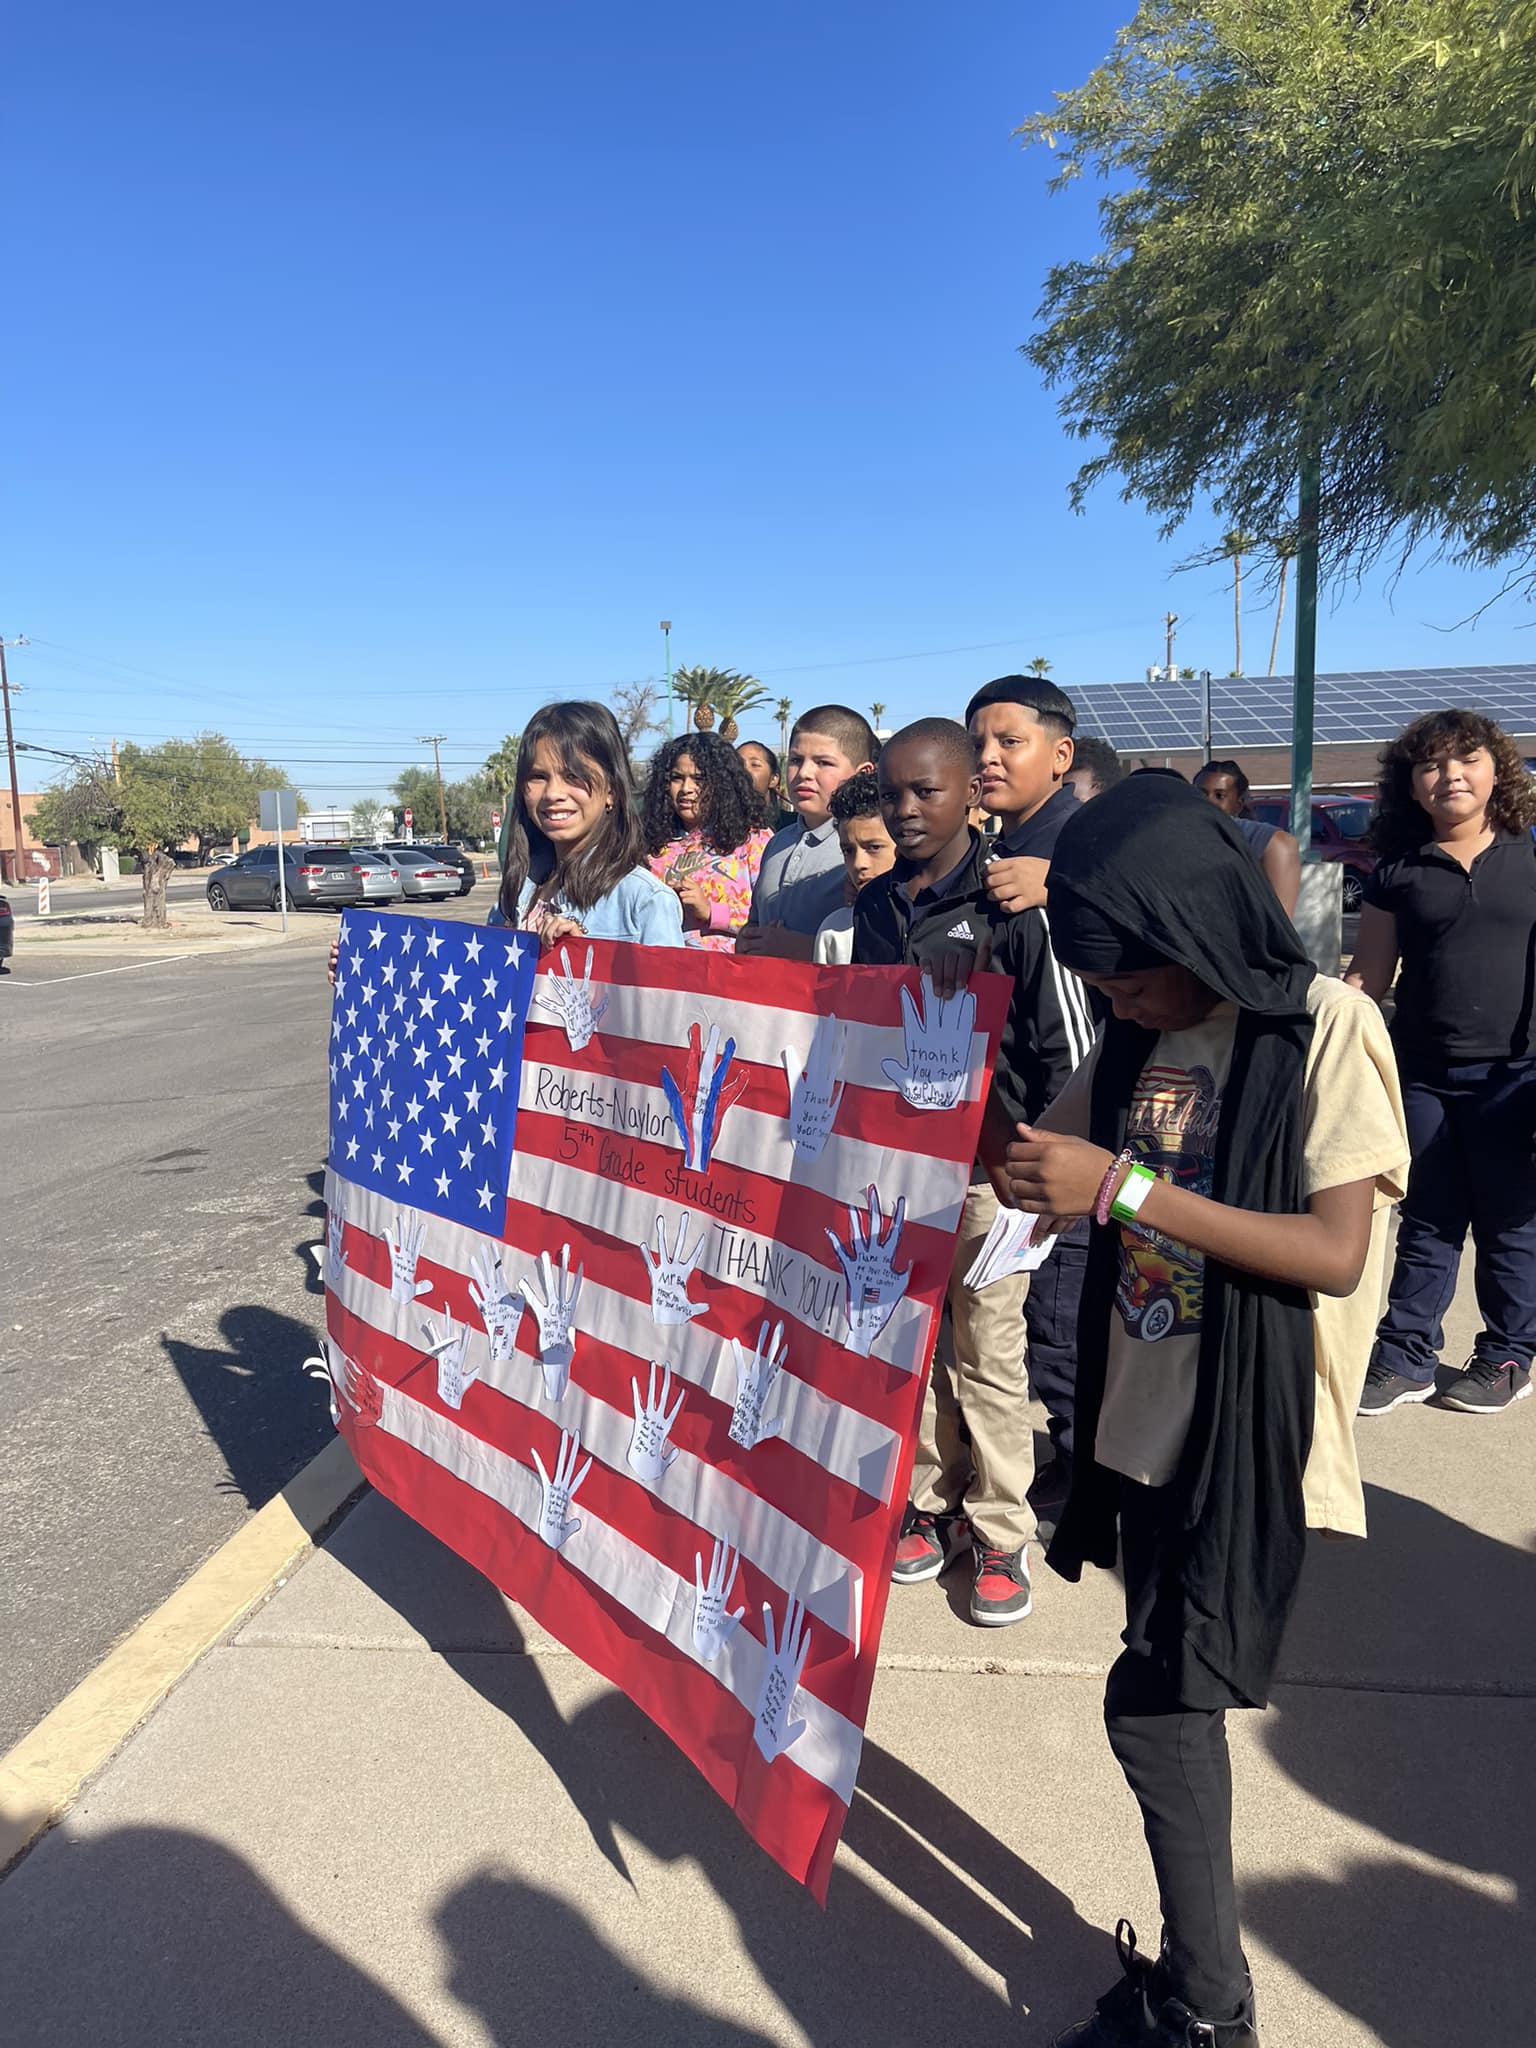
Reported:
(666, 630)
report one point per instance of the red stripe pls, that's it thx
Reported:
(790, 1814)
(616, 1497)
(875, 1116)
(858, 995)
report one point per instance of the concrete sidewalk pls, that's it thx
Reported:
(388, 1811)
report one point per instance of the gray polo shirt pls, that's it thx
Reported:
(800, 881)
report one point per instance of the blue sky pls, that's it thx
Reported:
(376, 372)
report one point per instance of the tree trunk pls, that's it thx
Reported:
(1237, 615)
(156, 869)
(1274, 644)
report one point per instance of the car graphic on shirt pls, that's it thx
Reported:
(1160, 1287)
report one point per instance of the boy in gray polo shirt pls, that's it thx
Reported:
(800, 881)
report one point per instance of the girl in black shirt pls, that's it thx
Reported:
(1454, 899)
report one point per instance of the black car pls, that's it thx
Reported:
(7, 930)
(443, 850)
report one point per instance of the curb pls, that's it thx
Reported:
(40, 1777)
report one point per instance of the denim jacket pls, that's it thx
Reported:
(639, 908)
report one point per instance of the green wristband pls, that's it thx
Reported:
(1131, 1193)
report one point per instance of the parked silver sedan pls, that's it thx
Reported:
(424, 873)
(382, 880)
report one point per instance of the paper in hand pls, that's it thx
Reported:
(1011, 1247)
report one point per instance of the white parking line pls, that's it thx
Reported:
(92, 973)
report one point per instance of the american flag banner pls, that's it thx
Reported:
(634, 1261)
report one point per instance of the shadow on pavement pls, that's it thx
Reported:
(157, 1935)
(255, 1404)
(865, 1969)
(1423, 1956)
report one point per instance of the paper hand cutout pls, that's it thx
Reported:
(571, 1001)
(499, 1308)
(450, 1348)
(815, 1089)
(670, 1273)
(650, 1453)
(938, 1048)
(330, 1257)
(404, 1250)
(555, 1524)
(868, 1261)
(755, 1379)
(350, 1388)
(709, 1089)
(555, 1308)
(712, 1626)
(772, 1729)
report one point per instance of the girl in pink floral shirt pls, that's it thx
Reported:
(703, 835)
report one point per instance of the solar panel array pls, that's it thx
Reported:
(1255, 711)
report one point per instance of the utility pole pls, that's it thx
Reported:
(1309, 496)
(1170, 620)
(6, 687)
(434, 740)
(666, 631)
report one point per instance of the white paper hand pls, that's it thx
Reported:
(349, 1387)
(498, 1306)
(555, 1309)
(756, 1376)
(816, 1088)
(938, 1048)
(571, 1001)
(450, 1348)
(330, 1257)
(868, 1261)
(555, 1524)
(650, 1453)
(772, 1729)
(670, 1273)
(404, 1241)
(712, 1626)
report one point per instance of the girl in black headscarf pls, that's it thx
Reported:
(1237, 1135)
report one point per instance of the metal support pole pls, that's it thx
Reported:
(1305, 679)
(666, 634)
(1205, 713)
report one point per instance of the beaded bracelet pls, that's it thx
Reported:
(1107, 1188)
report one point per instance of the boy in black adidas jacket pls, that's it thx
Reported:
(933, 904)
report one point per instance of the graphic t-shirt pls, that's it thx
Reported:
(726, 879)
(1352, 1130)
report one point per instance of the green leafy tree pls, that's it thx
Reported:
(501, 766)
(415, 790)
(1317, 233)
(371, 820)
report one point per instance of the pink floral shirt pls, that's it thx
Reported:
(726, 878)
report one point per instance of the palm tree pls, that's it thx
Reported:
(501, 766)
(1285, 554)
(1040, 666)
(782, 712)
(721, 691)
(1235, 543)
(876, 713)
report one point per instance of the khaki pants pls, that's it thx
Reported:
(981, 1376)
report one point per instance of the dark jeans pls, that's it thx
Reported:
(1175, 1762)
(1050, 1318)
(1472, 1130)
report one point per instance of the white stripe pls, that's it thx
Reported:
(1073, 1001)
(828, 1750)
(779, 1546)
(750, 1139)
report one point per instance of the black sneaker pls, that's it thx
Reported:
(1138, 2013)
(1486, 1388)
(1385, 1390)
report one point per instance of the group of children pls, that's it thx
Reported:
(1218, 1161)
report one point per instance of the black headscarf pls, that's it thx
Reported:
(1151, 873)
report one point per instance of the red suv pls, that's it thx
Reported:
(1339, 826)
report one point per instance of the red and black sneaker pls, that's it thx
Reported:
(929, 1545)
(1001, 1591)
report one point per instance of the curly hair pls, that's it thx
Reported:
(732, 811)
(1400, 825)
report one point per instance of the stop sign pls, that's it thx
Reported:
(495, 821)
(409, 819)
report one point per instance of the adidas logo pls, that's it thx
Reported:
(962, 930)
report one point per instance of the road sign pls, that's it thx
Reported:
(279, 810)
(496, 821)
(410, 823)
(42, 895)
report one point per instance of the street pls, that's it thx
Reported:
(163, 1120)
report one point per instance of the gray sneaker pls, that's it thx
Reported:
(1487, 1388)
(1385, 1390)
